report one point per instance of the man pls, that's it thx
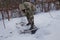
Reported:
(28, 9)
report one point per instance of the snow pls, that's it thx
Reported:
(48, 24)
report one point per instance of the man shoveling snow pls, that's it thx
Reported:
(28, 9)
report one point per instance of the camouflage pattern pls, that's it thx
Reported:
(28, 9)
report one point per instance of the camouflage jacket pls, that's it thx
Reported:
(29, 8)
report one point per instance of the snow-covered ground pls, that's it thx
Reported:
(49, 27)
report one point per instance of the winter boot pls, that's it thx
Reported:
(33, 30)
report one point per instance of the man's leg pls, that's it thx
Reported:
(28, 20)
(32, 28)
(32, 22)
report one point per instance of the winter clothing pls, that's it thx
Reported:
(28, 9)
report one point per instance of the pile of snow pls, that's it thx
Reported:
(49, 26)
